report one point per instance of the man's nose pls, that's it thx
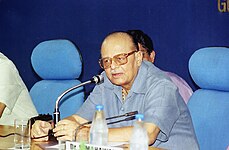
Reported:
(114, 64)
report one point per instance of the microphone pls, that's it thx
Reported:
(131, 114)
(95, 79)
(126, 119)
(124, 115)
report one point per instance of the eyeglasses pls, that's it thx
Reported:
(119, 59)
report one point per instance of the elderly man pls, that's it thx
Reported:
(132, 84)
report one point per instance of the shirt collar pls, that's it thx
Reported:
(139, 82)
(139, 85)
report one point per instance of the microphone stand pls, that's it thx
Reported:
(56, 113)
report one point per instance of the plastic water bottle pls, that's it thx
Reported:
(139, 138)
(99, 129)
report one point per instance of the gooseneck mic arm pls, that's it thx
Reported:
(96, 79)
(131, 114)
(125, 115)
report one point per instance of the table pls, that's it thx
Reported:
(8, 142)
(4, 142)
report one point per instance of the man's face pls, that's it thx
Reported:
(121, 75)
(146, 56)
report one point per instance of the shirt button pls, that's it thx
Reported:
(122, 109)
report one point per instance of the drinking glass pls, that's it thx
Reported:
(22, 134)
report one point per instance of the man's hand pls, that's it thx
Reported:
(65, 130)
(39, 129)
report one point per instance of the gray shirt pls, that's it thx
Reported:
(155, 96)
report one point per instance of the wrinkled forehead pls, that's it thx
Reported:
(117, 44)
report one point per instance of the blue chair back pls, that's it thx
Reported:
(59, 65)
(209, 105)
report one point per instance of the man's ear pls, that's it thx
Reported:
(152, 56)
(139, 57)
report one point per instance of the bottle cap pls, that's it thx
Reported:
(99, 107)
(139, 117)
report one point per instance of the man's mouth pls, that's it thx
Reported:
(117, 75)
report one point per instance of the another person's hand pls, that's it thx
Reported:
(65, 130)
(40, 129)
